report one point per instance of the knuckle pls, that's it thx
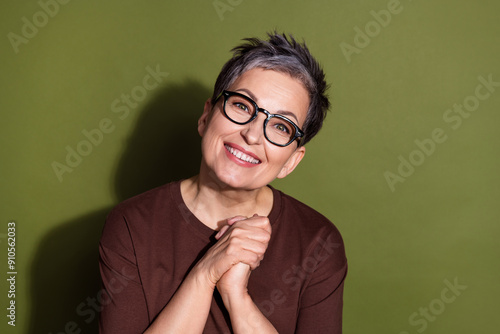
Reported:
(232, 250)
(234, 233)
(255, 258)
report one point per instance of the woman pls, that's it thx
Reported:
(223, 252)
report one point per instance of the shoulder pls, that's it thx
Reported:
(145, 203)
(138, 214)
(304, 231)
(304, 218)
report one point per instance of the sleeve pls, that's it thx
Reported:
(123, 305)
(321, 303)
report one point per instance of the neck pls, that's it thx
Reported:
(213, 203)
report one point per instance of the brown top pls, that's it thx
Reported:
(150, 242)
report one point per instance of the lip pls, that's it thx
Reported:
(239, 161)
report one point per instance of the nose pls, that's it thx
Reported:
(253, 132)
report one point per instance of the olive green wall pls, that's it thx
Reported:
(406, 165)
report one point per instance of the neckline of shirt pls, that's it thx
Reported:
(203, 230)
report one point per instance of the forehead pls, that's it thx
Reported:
(274, 91)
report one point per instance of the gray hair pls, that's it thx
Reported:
(280, 53)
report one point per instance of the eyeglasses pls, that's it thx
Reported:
(278, 129)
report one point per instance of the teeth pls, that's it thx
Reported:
(240, 155)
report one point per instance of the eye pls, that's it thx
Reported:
(241, 106)
(282, 128)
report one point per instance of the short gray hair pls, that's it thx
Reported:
(280, 53)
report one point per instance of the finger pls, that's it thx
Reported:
(251, 259)
(222, 231)
(250, 232)
(254, 246)
(258, 221)
(235, 219)
(230, 221)
(243, 250)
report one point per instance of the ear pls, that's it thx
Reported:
(205, 117)
(292, 162)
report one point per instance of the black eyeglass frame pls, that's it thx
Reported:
(299, 134)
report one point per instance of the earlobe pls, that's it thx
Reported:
(292, 162)
(205, 117)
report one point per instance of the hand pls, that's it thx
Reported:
(234, 282)
(242, 240)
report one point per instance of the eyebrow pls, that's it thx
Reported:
(280, 112)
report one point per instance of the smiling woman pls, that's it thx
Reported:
(280, 93)
(222, 251)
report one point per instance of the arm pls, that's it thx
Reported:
(187, 311)
(124, 304)
(245, 315)
(322, 300)
(239, 249)
(127, 312)
(121, 287)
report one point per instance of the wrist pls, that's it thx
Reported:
(236, 300)
(201, 278)
(246, 316)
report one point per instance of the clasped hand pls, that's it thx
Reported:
(240, 248)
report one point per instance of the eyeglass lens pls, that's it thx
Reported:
(277, 130)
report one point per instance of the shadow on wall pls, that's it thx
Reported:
(164, 146)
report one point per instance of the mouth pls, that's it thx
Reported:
(242, 156)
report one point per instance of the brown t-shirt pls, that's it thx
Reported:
(151, 241)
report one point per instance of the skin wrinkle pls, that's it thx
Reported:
(275, 91)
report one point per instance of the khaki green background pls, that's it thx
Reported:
(441, 223)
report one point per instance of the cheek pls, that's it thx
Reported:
(214, 133)
(218, 125)
(278, 156)
(210, 131)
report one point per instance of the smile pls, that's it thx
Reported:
(242, 156)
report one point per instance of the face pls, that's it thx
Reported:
(239, 156)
